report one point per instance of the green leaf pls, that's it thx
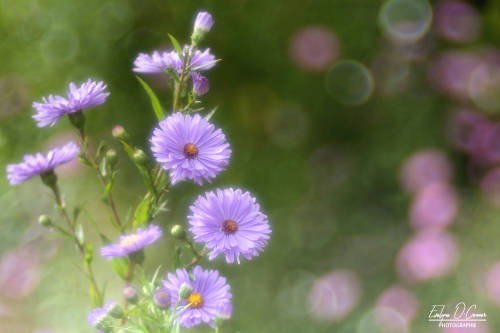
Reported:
(155, 102)
(177, 256)
(101, 150)
(89, 253)
(76, 212)
(95, 298)
(120, 266)
(80, 236)
(176, 45)
(211, 113)
(141, 215)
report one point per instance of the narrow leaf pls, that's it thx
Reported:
(176, 45)
(141, 215)
(80, 236)
(155, 102)
(120, 266)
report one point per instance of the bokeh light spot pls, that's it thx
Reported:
(350, 82)
(59, 44)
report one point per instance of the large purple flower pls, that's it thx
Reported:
(209, 294)
(132, 243)
(159, 61)
(190, 148)
(89, 94)
(230, 222)
(34, 165)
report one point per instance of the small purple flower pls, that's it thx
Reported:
(209, 293)
(190, 148)
(89, 94)
(203, 22)
(200, 84)
(129, 292)
(132, 243)
(162, 297)
(156, 62)
(229, 222)
(159, 61)
(97, 316)
(34, 165)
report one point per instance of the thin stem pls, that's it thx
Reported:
(81, 249)
(128, 278)
(102, 179)
(179, 85)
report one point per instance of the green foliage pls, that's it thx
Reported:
(155, 102)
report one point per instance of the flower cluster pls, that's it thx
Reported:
(185, 146)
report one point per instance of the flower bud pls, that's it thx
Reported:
(201, 85)
(44, 220)
(119, 133)
(178, 232)
(184, 291)
(111, 157)
(162, 298)
(140, 157)
(130, 293)
(202, 25)
(116, 311)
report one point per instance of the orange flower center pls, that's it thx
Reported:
(229, 227)
(190, 150)
(195, 300)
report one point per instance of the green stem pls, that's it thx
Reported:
(102, 179)
(88, 269)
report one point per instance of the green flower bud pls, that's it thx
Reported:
(178, 232)
(184, 291)
(120, 133)
(140, 157)
(44, 220)
(49, 178)
(111, 157)
(116, 312)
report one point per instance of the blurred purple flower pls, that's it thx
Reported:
(132, 243)
(493, 283)
(190, 148)
(20, 272)
(456, 21)
(201, 85)
(225, 311)
(34, 165)
(451, 72)
(334, 295)
(424, 168)
(466, 128)
(203, 22)
(428, 255)
(98, 315)
(435, 206)
(162, 297)
(89, 94)
(314, 48)
(229, 222)
(395, 308)
(209, 293)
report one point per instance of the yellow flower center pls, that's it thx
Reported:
(195, 300)
(190, 150)
(129, 240)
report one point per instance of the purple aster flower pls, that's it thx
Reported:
(203, 22)
(229, 222)
(159, 61)
(190, 148)
(38, 164)
(209, 293)
(89, 94)
(98, 316)
(162, 297)
(132, 243)
(200, 84)
(156, 62)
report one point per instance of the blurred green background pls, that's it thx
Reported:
(326, 173)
